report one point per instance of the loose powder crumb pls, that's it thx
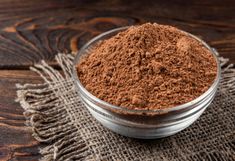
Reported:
(150, 66)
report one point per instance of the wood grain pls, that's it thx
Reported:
(16, 142)
(32, 31)
(39, 29)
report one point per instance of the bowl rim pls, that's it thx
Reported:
(145, 111)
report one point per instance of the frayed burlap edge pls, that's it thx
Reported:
(57, 128)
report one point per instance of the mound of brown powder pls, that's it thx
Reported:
(148, 67)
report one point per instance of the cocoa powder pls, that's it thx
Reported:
(150, 66)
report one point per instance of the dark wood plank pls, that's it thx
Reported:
(35, 30)
(16, 141)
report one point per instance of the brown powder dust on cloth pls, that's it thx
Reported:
(150, 66)
(58, 118)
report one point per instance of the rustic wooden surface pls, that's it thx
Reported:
(38, 29)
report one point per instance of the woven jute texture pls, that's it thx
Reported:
(57, 117)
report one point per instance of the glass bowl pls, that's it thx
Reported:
(144, 124)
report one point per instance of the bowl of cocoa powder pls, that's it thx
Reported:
(146, 81)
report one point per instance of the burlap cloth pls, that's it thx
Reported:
(58, 118)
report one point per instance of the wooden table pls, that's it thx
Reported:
(38, 29)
